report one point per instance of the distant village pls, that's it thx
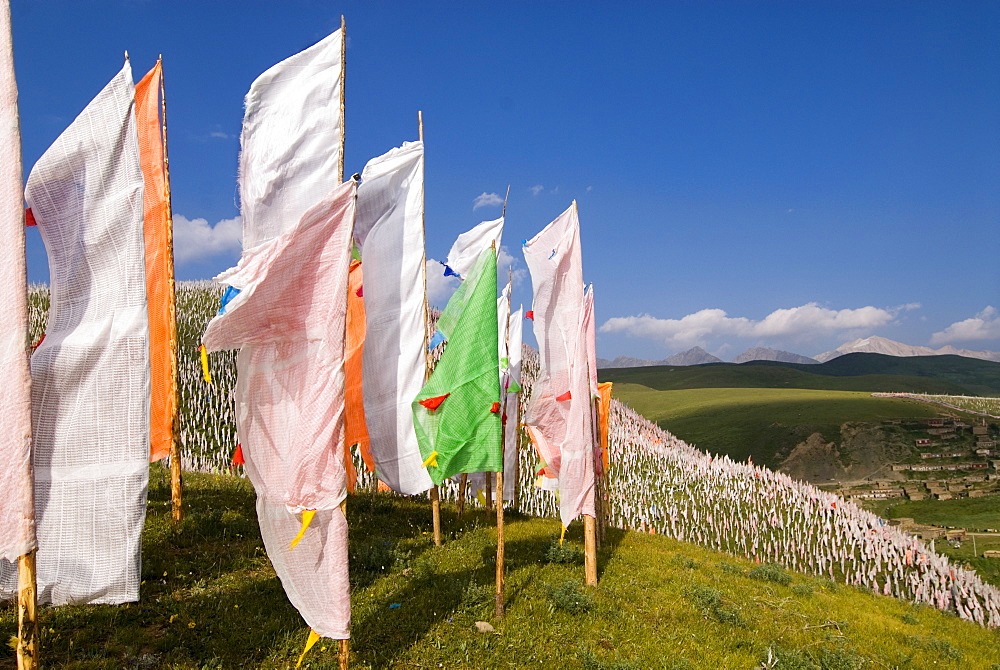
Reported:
(954, 460)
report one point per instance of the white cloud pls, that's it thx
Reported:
(220, 135)
(804, 323)
(536, 189)
(983, 326)
(195, 240)
(504, 261)
(439, 287)
(486, 200)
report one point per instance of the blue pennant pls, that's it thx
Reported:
(436, 339)
(227, 296)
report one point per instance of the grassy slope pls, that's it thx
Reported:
(854, 372)
(210, 600)
(759, 421)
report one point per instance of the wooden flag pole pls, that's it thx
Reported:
(27, 620)
(343, 84)
(463, 487)
(343, 646)
(176, 481)
(590, 549)
(435, 494)
(343, 654)
(501, 540)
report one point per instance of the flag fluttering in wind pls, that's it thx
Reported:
(159, 264)
(355, 425)
(286, 311)
(292, 139)
(457, 412)
(90, 376)
(390, 233)
(467, 246)
(558, 417)
(17, 514)
(512, 395)
(288, 321)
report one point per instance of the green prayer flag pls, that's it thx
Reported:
(463, 431)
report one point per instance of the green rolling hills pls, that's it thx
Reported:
(764, 409)
(951, 375)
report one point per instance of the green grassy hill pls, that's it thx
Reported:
(210, 600)
(853, 372)
(762, 422)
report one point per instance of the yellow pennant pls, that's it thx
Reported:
(562, 536)
(204, 364)
(307, 517)
(482, 497)
(432, 460)
(313, 638)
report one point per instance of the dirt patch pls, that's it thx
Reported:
(814, 460)
(867, 450)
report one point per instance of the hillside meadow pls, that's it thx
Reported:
(761, 422)
(210, 600)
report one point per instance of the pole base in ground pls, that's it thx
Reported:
(590, 549)
(501, 549)
(27, 620)
(343, 654)
(436, 514)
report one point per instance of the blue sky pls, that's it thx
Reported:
(780, 174)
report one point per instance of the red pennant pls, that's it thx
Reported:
(433, 403)
(565, 396)
(360, 292)
(40, 340)
(495, 408)
(29, 218)
(238, 455)
(530, 314)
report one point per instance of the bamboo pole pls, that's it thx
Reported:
(435, 494)
(176, 480)
(590, 549)
(343, 654)
(463, 486)
(27, 620)
(343, 84)
(501, 546)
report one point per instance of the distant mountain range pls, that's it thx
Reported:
(868, 345)
(880, 345)
(761, 354)
(698, 356)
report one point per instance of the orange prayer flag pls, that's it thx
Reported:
(603, 412)
(159, 264)
(355, 427)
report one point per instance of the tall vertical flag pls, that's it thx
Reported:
(288, 322)
(465, 250)
(159, 264)
(390, 233)
(355, 425)
(17, 514)
(558, 417)
(90, 375)
(457, 412)
(292, 139)
(512, 394)
(287, 315)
